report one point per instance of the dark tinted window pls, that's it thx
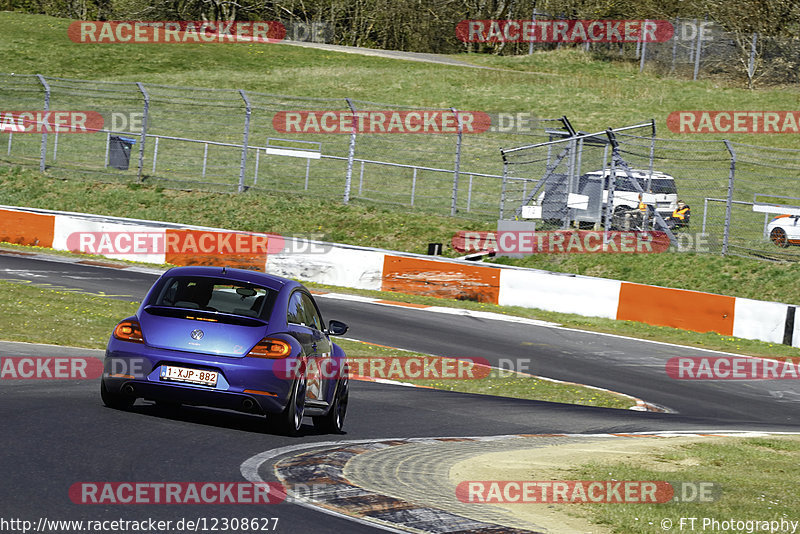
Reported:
(662, 186)
(302, 311)
(215, 294)
(294, 314)
(312, 316)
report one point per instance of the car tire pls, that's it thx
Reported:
(778, 236)
(333, 421)
(291, 419)
(117, 401)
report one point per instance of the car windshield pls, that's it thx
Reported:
(661, 186)
(216, 295)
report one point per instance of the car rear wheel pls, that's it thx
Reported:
(117, 401)
(778, 236)
(333, 421)
(291, 419)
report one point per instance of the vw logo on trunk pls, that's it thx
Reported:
(197, 334)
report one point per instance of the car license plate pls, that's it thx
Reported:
(193, 376)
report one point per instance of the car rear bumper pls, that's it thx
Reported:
(240, 382)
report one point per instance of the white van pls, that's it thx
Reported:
(659, 188)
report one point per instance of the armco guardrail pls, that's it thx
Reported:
(378, 269)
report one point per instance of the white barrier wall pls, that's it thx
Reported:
(758, 319)
(66, 225)
(594, 297)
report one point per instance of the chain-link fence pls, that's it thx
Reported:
(223, 139)
(735, 198)
(703, 49)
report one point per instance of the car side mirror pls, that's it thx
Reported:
(337, 328)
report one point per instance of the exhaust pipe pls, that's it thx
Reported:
(127, 389)
(248, 404)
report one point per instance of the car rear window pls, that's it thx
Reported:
(215, 295)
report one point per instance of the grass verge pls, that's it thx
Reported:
(378, 226)
(757, 478)
(39, 315)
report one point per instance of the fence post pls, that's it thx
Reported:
(731, 176)
(351, 154)
(698, 50)
(674, 46)
(612, 184)
(751, 65)
(503, 186)
(43, 150)
(457, 168)
(644, 50)
(144, 126)
(248, 110)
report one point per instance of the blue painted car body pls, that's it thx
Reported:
(211, 320)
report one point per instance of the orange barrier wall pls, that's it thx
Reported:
(689, 310)
(26, 228)
(441, 279)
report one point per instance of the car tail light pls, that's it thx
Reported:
(129, 331)
(270, 348)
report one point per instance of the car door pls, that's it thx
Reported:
(321, 375)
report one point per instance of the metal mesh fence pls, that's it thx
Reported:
(196, 138)
(702, 49)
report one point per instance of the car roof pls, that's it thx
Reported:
(638, 173)
(238, 275)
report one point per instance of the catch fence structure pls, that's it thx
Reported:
(733, 190)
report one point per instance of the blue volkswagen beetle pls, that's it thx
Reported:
(234, 339)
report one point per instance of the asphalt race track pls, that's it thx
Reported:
(57, 433)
